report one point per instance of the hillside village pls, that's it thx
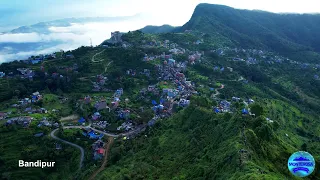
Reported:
(165, 88)
(165, 100)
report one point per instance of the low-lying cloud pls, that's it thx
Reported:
(66, 38)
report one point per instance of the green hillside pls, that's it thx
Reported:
(158, 29)
(230, 95)
(290, 34)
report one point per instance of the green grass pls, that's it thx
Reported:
(20, 144)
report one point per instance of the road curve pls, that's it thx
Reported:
(72, 144)
(93, 57)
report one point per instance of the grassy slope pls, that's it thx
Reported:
(20, 144)
(197, 144)
(257, 29)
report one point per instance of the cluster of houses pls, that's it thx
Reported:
(23, 121)
(2, 74)
(26, 73)
(46, 123)
(194, 57)
(126, 126)
(154, 43)
(98, 85)
(35, 97)
(153, 57)
(98, 150)
(177, 51)
(40, 58)
(91, 134)
(31, 110)
(254, 56)
(74, 68)
(224, 106)
(176, 96)
(217, 68)
(131, 72)
(123, 114)
(100, 124)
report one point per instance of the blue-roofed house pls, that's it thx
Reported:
(81, 120)
(155, 108)
(172, 93)
(35, 61)
(236, 99)
(216, 110)
(171, 62)
(119, 92)
(154, 102)
(93, 135)
(165, 91)
(198, 42)
(2, 74)
(245, 111)
(70, 56)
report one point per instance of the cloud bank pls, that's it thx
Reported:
(66, 38)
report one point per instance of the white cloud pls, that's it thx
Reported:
(6, 57)
(68, 38)
(19, 38)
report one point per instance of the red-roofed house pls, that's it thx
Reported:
(100, 151)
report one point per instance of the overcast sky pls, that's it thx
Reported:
(175, 12)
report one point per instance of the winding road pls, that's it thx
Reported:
(111, 136)
(106, 67)
(217, 92)
(72, 144)
(93, 57)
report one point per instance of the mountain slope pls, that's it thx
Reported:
(158, 29)
(283, 33)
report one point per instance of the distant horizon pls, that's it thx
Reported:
(16, 14)
(128, 16)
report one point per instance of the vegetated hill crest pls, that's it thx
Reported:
(158, 29)
(288, 34)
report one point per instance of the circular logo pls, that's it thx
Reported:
(301, 164)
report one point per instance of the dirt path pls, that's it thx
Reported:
(217, 92)
(105, 159)
(93, 57)
(106, 68)
(71, 117)
(72, 144)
